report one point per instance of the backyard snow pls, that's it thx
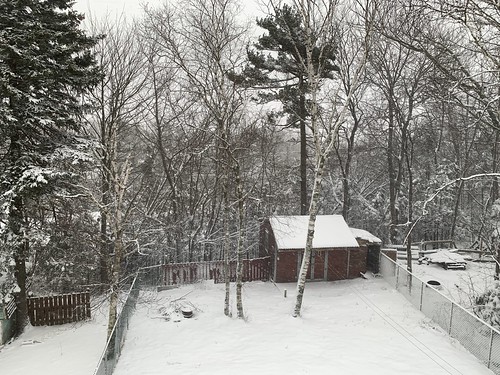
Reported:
(68, 349)
(347, 327)
(459, 285)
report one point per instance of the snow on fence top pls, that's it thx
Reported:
(330, 231)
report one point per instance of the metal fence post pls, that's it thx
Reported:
(491, 348)
(397, 276)
(451, 318)
(421, 295)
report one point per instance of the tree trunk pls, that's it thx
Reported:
(497, 261)
(313, 210)
(409, 162)
(115, 282)
(303, 149)
(19, 242)
(226, 244)
(119, 184)
(239, 250)
(20, 274)
(393, 209)
(104, 243)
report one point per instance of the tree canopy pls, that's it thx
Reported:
(45, 64)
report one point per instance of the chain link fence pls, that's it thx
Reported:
(474, 334)
(112, 351)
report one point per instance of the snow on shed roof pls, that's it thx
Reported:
(365, 235)
(330, 231)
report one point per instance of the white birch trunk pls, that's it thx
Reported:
(313, 210)
(239, 250)
(313, 79)
(324, 130)
(227, 283)
(115, 279)
(120, 184)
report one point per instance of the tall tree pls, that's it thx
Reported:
(115, 109)
(111, 123)
(204, 44)
(281, 74)
(319, 30)
(45, 63)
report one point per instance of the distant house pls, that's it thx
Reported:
(338, 252)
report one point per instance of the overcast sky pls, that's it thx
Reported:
(131, 8)
(100, 8)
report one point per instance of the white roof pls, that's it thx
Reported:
(330, 231)
(365, 235)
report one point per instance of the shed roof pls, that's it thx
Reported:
(330, 231)
(365, 235)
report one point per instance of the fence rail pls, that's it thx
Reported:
(477, 336)
(188, 273)
(60, 309)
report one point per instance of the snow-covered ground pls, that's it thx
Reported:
(69, 349)
(459, 285)
(349, 327)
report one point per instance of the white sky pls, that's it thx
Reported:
(101, 8)
(132, 8)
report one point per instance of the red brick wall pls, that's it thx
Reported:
(286, 269)
(337, 264)
(357, 262)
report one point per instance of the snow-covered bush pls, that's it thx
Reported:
(488, 306)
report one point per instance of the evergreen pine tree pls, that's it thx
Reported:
(278, 65)
(45, 64)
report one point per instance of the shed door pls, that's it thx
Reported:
(316, 269)
(319, 265)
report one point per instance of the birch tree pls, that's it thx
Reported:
(320, 22)
(205, 43)
(111, 123)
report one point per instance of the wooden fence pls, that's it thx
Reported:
(61, 309)
(187, 273)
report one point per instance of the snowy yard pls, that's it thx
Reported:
(459, 285)
(350, 327)
(69, 349)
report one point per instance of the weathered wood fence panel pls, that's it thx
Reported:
(188, 273)
(61, 309)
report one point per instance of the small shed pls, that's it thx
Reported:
(336, 255)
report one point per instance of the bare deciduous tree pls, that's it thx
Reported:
(205, 44)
